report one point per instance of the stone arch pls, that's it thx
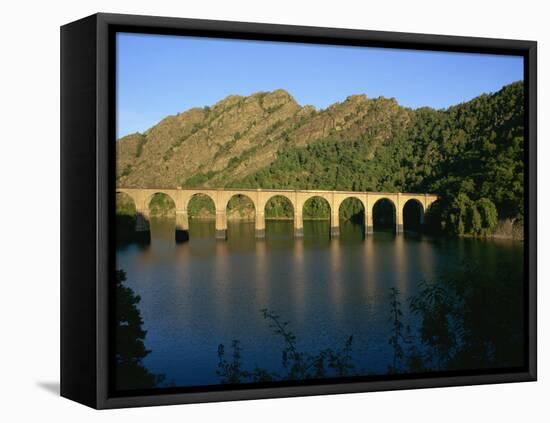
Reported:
(125, 203)
(384, 214)
(125, 218)
(413, 215)
(237, 201)
(282, 207)
(166, 204)
(280, 210)
(135, 226)
(240, 206)
(352, 208)
(194, 206)
(318, 207)
(432, 217)
(200, 205)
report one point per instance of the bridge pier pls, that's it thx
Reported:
(422, 223)
(260, 224)
(335, 225)
(368, 222)
(221, 225)
(142, 222)
(398, 221)
(182, 226)
(298, 225)
(142, 230)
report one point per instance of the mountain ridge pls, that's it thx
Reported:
(202, 140)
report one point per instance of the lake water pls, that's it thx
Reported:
(202, 293)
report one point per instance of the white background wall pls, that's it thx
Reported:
(29, 161)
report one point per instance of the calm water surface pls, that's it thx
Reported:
(204, 292)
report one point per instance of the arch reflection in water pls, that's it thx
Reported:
(204, 292)
(240, 209)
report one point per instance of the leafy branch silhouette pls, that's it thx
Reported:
(297, 365)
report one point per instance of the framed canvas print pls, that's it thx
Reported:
(255, 211)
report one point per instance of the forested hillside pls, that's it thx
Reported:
(470, 154)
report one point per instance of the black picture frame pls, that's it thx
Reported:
(88, 189)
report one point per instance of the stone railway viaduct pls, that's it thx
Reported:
(260, 197)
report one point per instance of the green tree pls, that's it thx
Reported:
(489, 216)
(162, 205)
(474, 220)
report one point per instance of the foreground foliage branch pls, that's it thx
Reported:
(296, 364)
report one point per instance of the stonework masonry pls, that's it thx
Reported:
(260, 197)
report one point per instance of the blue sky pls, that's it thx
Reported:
(159, 75)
